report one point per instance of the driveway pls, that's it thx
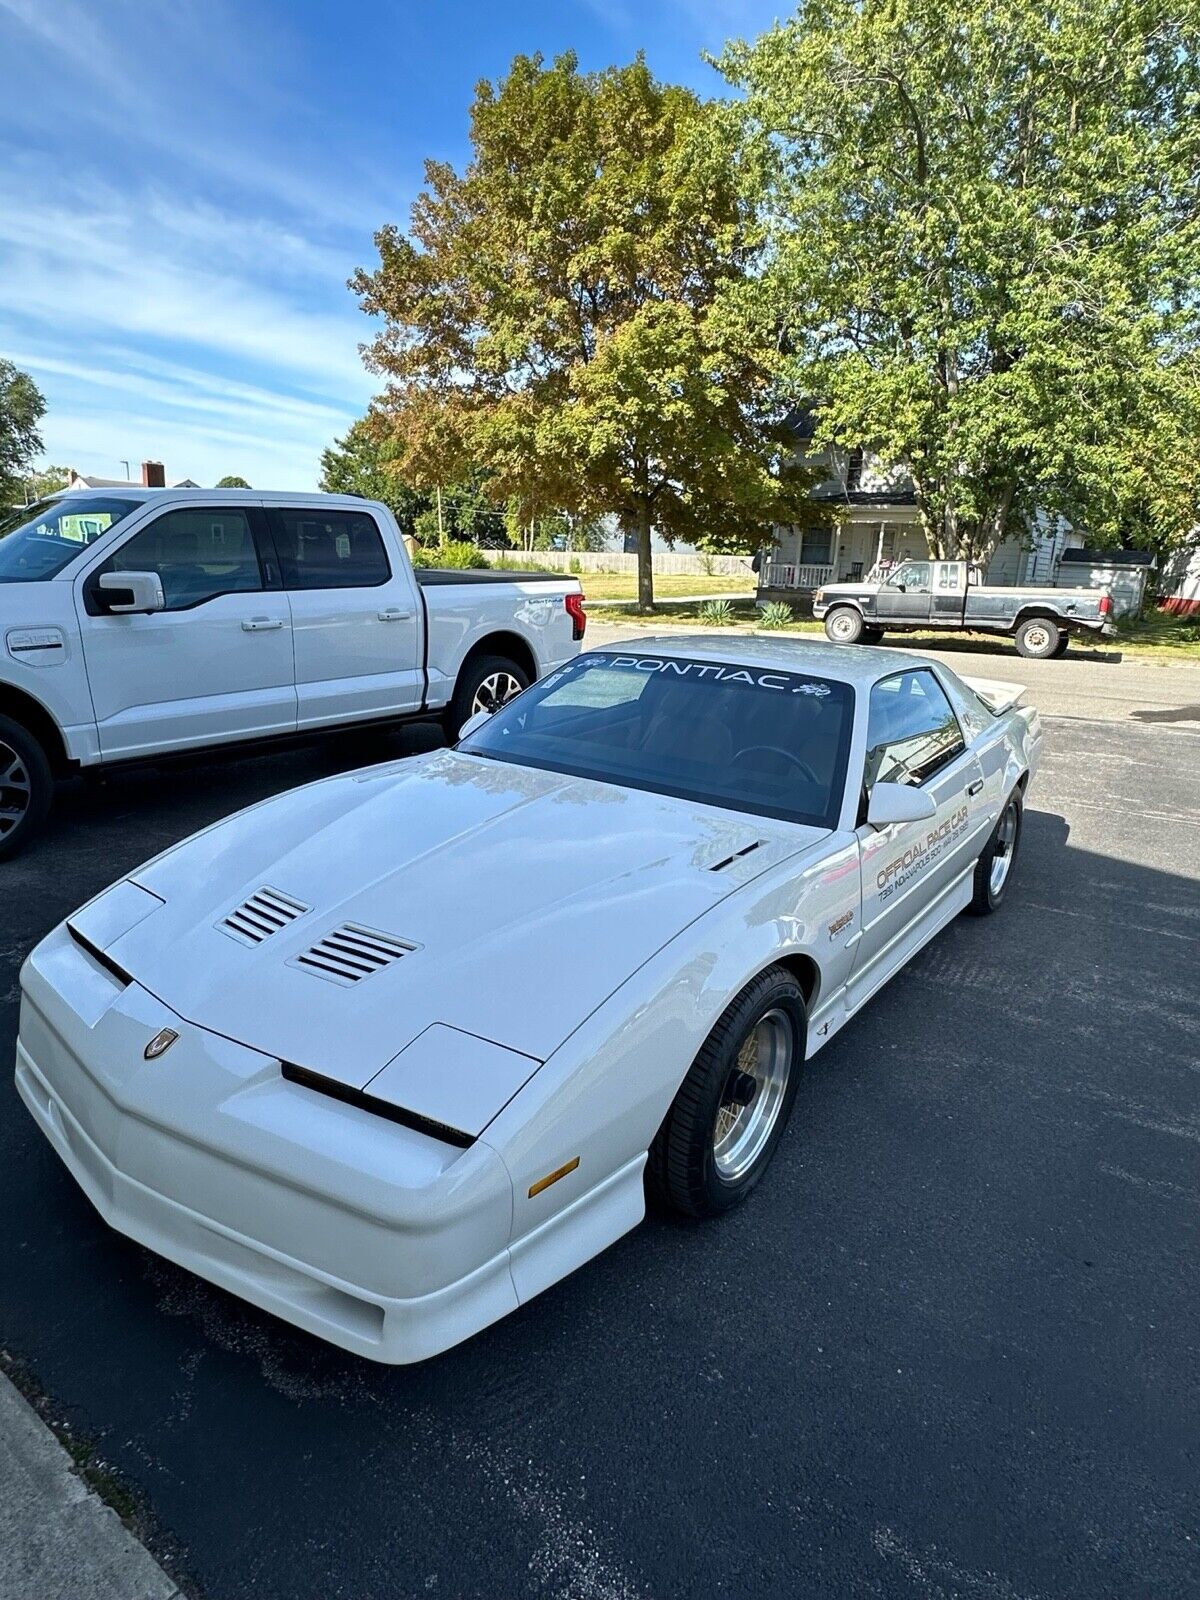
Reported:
(947, 1349)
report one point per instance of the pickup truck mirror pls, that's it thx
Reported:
(128, 592)
(898, 802)
(473, 723)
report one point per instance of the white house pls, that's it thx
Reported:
(876, 525)
(153, 477)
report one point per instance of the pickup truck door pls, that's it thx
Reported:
(356, 615)
(913, 736)
(216, 664)
(907, 594)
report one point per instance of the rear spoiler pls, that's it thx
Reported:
(999, 696)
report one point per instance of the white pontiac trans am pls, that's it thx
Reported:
(392, 1053)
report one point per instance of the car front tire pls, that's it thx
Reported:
(844, 625)
(26, 786)
(993, 870)
(724, 1124)
(1038, 638)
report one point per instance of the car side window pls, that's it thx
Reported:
(330, 549)
(949, 575)
(912, 732)
(199, 552)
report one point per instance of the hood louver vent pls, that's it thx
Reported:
(350, 953)
(727, 861)
(264, 913)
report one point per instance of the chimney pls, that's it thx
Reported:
(154, 475)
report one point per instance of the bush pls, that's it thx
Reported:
(455, 553)
(776, 614)
(717, 613)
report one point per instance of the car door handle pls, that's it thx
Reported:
(394, 614)
(974, 788)
(261, 624)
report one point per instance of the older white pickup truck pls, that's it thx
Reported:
(951, 597)
(137, 623)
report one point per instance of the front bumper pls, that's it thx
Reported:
(370, 1235)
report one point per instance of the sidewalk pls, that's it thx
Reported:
(58, 1540)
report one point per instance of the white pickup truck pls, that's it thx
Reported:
(140, 623)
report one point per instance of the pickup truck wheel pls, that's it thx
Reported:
(844, 625)
(718, 1138)
(484, 684)
(994, 867)
(1038, 638)
(26, 786)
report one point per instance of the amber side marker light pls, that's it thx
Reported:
(552, 1177)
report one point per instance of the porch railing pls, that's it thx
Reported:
(795, 575)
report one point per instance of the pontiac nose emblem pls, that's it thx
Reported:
(162, 1040)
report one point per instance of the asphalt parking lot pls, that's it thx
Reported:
(948, 1349)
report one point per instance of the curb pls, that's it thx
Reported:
(59, 1539)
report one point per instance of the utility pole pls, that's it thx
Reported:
(125, 464)
(441, 530)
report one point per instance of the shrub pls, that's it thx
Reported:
(776, 614)
(717, 613)
(707, 566)
(455, 553)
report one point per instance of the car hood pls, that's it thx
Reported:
(522, 899)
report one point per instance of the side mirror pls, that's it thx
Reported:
(129, 592)
(898, 802)
(474, 723)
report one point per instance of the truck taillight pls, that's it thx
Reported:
(1105, 604)
(578, 616)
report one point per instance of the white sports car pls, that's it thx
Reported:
(392, 1053)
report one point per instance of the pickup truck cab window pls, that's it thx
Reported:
(321, 549)
(912, 732)
(912, 576)
(199, 553)
(37, 542)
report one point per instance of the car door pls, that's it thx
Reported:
(216, 663)
(355, 619)
(913, 737)
(907, 594)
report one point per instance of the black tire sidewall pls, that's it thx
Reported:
(41, 779)
(1052, 630)
(469, 679)
(983, 901)
(847, 611)
(683, 1164)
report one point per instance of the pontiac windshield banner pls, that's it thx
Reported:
(718, 672)
(906, 866)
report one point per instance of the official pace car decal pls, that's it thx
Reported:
(714, 672)
(919, 855)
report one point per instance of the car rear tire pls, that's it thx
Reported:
(844, 625)
(26, 786)
(1038, 638)
(724, 1124)
(484, 684)
(993, 870)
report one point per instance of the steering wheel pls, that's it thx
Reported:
(777, 750)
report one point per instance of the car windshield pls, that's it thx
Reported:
(37, 541)
(746, 738)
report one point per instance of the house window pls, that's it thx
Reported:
(816, 547)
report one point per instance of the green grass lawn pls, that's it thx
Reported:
(1154, 636)
(623, 585)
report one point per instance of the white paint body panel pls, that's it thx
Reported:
(572, 949)
(263, 663)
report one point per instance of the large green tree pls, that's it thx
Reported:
(983, 219)
(551, 315)
(21, 409)
(231, 480)
(362, 463)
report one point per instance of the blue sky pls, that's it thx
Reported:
(185, 186)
